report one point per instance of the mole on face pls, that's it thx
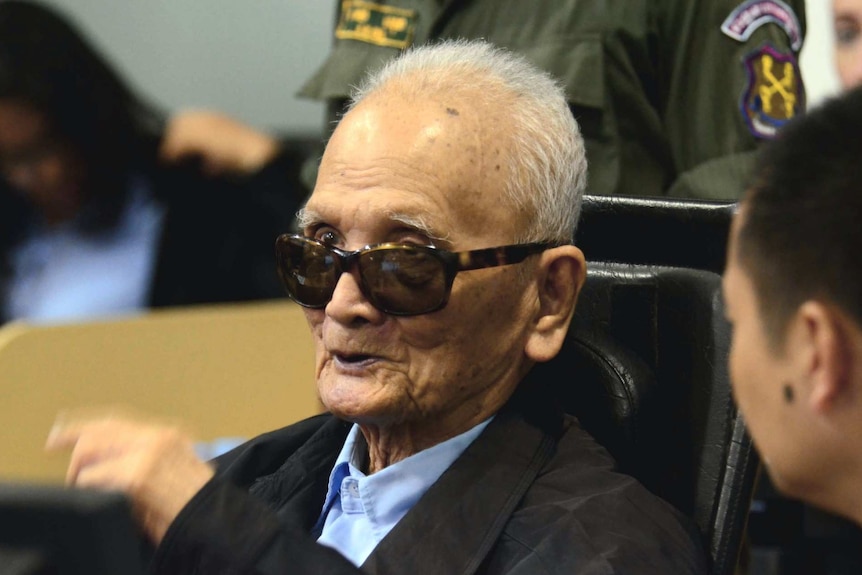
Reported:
(788, 393)
(452, 112)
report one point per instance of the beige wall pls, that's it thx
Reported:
(224, 371)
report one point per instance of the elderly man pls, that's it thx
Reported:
(793, 291)
(436, 266)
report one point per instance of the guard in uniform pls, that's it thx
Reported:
(672, 95)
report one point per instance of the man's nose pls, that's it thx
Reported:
(348, 302)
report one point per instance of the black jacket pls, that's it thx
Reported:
(218, 238)
(533, 494)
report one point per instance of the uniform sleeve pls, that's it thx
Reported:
(730, 77)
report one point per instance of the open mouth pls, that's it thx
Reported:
(353, 359)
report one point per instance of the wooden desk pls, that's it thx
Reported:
(226, 371)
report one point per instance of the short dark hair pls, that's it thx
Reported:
(801, 232)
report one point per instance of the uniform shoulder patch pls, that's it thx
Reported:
(376, 24)
(774, 92)
(752, 14)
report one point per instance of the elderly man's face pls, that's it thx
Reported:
(424, 172)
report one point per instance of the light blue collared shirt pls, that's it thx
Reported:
(361, 509)
(63, 274)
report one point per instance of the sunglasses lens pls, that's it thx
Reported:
(404, 281)
(307, 269)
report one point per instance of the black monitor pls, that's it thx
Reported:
(53, 530)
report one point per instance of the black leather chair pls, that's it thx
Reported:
(646, 361)
(659, 231)
(783, 535)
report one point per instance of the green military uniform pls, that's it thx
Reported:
(671, 95)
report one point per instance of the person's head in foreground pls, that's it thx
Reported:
(793, 292)
(436, 264)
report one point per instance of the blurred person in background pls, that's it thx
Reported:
(847, 21)
(105, 207)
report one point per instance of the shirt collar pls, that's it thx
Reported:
(397, 487)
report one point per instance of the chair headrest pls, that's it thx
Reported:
(658, 231)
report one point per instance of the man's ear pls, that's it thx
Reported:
(562, 271)
(821, 337)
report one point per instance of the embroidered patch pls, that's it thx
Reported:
(751, 15)
(774, 93)
(376, 24)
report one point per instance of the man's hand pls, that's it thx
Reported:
(154, 464)
(222, 143)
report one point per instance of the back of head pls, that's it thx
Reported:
(801, 234)
(546, 158)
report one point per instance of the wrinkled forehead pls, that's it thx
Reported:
(436, 160)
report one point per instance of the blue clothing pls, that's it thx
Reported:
(361, 509)
(215, 238)
(63, 273)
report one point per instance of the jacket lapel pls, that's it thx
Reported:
(456, 523)
(298, 488)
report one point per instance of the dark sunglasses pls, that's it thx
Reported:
(397, 279)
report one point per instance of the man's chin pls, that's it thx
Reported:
(359, 410)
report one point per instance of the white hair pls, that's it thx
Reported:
(547, 163)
